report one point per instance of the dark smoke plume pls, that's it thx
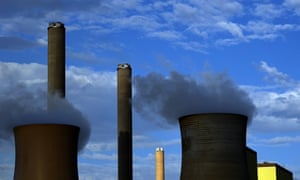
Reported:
(178, 95)
(20, 106)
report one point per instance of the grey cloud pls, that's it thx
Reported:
(178, 95)
(16, 43)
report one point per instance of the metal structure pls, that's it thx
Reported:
(159, 164)
(46, 151)
(124, 94)
(213, 147)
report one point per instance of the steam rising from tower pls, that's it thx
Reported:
(177, 95)
(124, 94)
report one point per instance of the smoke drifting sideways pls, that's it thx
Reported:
(178, 95)
(20, 106)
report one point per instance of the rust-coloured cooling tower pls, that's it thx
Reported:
(124, 122)
(56, 59)
(46, 152)
(213, 147)
(159, 164)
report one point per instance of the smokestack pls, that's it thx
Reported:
(46, 151)
(56, 59)
(213, 146)
(124, 122)
(159, 164)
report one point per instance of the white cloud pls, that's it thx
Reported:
(274, 75)
(281, 140)
(277, 106)
(232, 28)
(139, 22)
(169, 20)
(167, 35)
(268, 11)
(293, 4)
(193, 46)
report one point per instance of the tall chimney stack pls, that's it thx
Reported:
(124, 122)
(56, 59)
(159, 164)
(213, 147)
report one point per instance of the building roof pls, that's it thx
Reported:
(272, 164)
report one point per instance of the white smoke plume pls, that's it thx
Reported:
(178, 95)
(21, 106)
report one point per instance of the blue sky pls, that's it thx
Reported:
(253, 42)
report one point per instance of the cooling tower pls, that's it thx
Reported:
(159, 164)
(124, 122)
(56, 59)
(46, 152)
(213, 147)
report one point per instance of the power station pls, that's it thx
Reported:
(213, 144)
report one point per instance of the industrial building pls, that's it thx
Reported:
(273, 171)
(252, 163)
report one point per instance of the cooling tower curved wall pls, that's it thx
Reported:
(213, 147)
(46, 151)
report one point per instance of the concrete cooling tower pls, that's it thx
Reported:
(213, 147)
(124, 94)
(46, 152)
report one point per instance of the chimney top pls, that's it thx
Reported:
(124, 66)
(159, 149)
(55, 24)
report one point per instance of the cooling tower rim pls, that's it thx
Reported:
(241, 116)
(45, 124)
